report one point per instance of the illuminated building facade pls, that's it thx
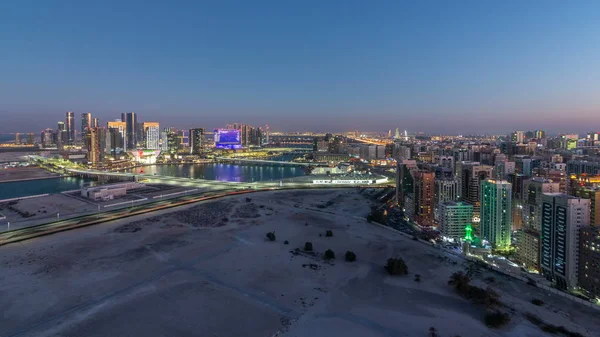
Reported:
(455, 217)
(589, 261)
(151, 132)
(496, 202)
(562, 218)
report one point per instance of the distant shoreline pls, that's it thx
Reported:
(28, 179)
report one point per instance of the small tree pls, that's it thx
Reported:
(433, 332)
(350, 256)
(329, 254)
(537, 302)
(417, 278)
(286, 242)
(308, 246)
(271, 236)
(396, 266)
(329, 233)
(496, 319)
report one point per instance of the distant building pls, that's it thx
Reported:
(197, 141)
(30, 138)
(121, 127)
(445, 190)
(528, 248)
(470, 175)
(495, 226)
(70, 125)
(151, 131)
(562, 217)
(17, 138)
(455, 217)
(86, 123)
(589, 261)
(594, 195)
(96, 145)
(130, 120)
(424, 190)
(46, 138)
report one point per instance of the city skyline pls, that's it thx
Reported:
(431, 67)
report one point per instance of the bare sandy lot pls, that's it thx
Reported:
(24, 173)
(208, 270)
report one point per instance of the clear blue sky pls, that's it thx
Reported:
(433, 66)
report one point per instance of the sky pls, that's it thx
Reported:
(432, 66)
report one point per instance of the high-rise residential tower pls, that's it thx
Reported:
(455, 217)
(197, 141)
(131, 121)
(495, 226)
(86, 122)
(562, 218)
(589, 259)
(118, 137)
(151, 135)
(70, 126)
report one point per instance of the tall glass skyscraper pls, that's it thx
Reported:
(495, 226)
(130, 119)
(70, 125)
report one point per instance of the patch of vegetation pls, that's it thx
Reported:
(286, 242)
(537, 302)
(329, 233)
(433, 332)
(271, 236)
(308, 246)
(329, 254)
(378, 216)
(396, 266)
(417, 278)
(549, 328)
(487, 297)
(350, 256)
(496, 319)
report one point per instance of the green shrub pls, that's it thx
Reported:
(308, 246)
(286, 242)
(350, 256)
(496, 319)
(396, 266)
(271, 236)
(329, 233)
(329, 254)
(537, 302)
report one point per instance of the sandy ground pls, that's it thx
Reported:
(24, 173)
(208, 270)
(44, 208)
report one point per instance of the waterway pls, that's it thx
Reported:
(212, 171)
(41, 186)
(224, 172)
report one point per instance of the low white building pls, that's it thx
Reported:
(108, 192)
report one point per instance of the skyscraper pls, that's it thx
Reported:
(562, 218)
(455, 217)
(119, 143)
(46, 138)
(17, 138)
(86, 122)
(424, 198)
(96, 122)
(495, 226)
(70, 126)
(197, 141)
(589, 256)
(96, 145)
(151, 135)
(130, 119)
